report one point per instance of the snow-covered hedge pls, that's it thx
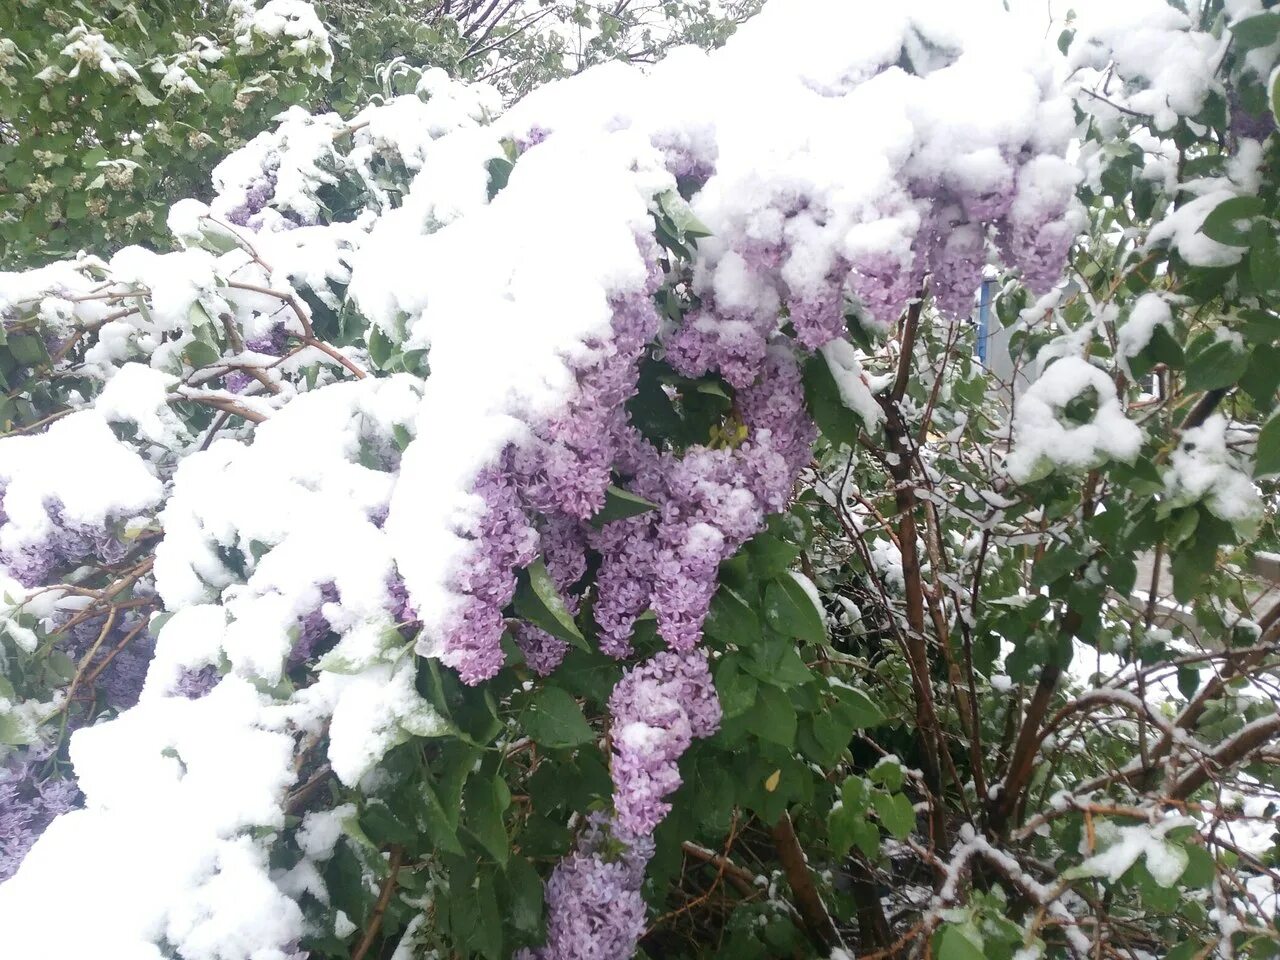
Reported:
(584, 527)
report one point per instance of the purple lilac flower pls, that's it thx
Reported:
(569, 469)
(658, 708)
(271, 343)
(709, 341)
(68, 543)
(194, 684)
(883, 283)
(313, 628)
(1254, 126)
(563, 474)
(819, 318)
(956, 260)
(120, 680)
(30, 800)
(594, 907)
(503, 540)
(402, 610)
(256, 197)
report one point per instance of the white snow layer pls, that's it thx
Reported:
(504, 295)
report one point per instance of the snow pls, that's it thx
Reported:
(1149, 311)
(139, 395)
(1148, 41)
(38, 469)
(1044, 442)
(1204, 467)
(856, 391)
(294, 21)
(1123, 846)
(171, 785)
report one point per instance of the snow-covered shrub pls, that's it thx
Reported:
(583, 528)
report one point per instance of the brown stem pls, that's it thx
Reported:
(380, 908)
(817, 921)
(739, 876)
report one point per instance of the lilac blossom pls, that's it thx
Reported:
(67, 544)
(121, 654)
(594, 907)
(658, 709)
(818, 317)
(503, 540)
(711, 341)
(313, 628)
(956, 260)
(30, 799)
(194, 684)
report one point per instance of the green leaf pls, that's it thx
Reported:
(27, 349)
(1057, 562)
(1191, 566)
(1267, 461)
(437, 822)
(524, 895)
(731, 619)
(485, 799)
(1262, 378)
(837, 422)
(14, 731)
(1229, 221)
(1200, 869)
(554, 719)
(620, 504)
(887, 773)
(499, 173)
(895, 813)
(770, 556)
(1216, 367)
(1260, 30)
(954, 944)
(736, 689)
(856, 708)
(774, 717)
(1188, 681)
(539, 602)
(790, 610)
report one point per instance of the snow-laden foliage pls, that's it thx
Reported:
(582, 527)
(110, 112)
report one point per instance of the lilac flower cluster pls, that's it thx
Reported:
(658, 709)
(67, 544)
(562, 475)
(711, 501)
(272, 343)
(194, 684)
(256, 198)
(503, 540)
(122, 655)
(594, 907)
(30, 799)
(313, 629)
(731, 343)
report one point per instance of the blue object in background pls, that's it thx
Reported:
(984, 319)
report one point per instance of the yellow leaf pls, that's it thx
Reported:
(775, 778)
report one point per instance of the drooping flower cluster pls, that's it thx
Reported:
(658, 709)
(562, 473)
(30, 799)
(594, 907)
(66, 543)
